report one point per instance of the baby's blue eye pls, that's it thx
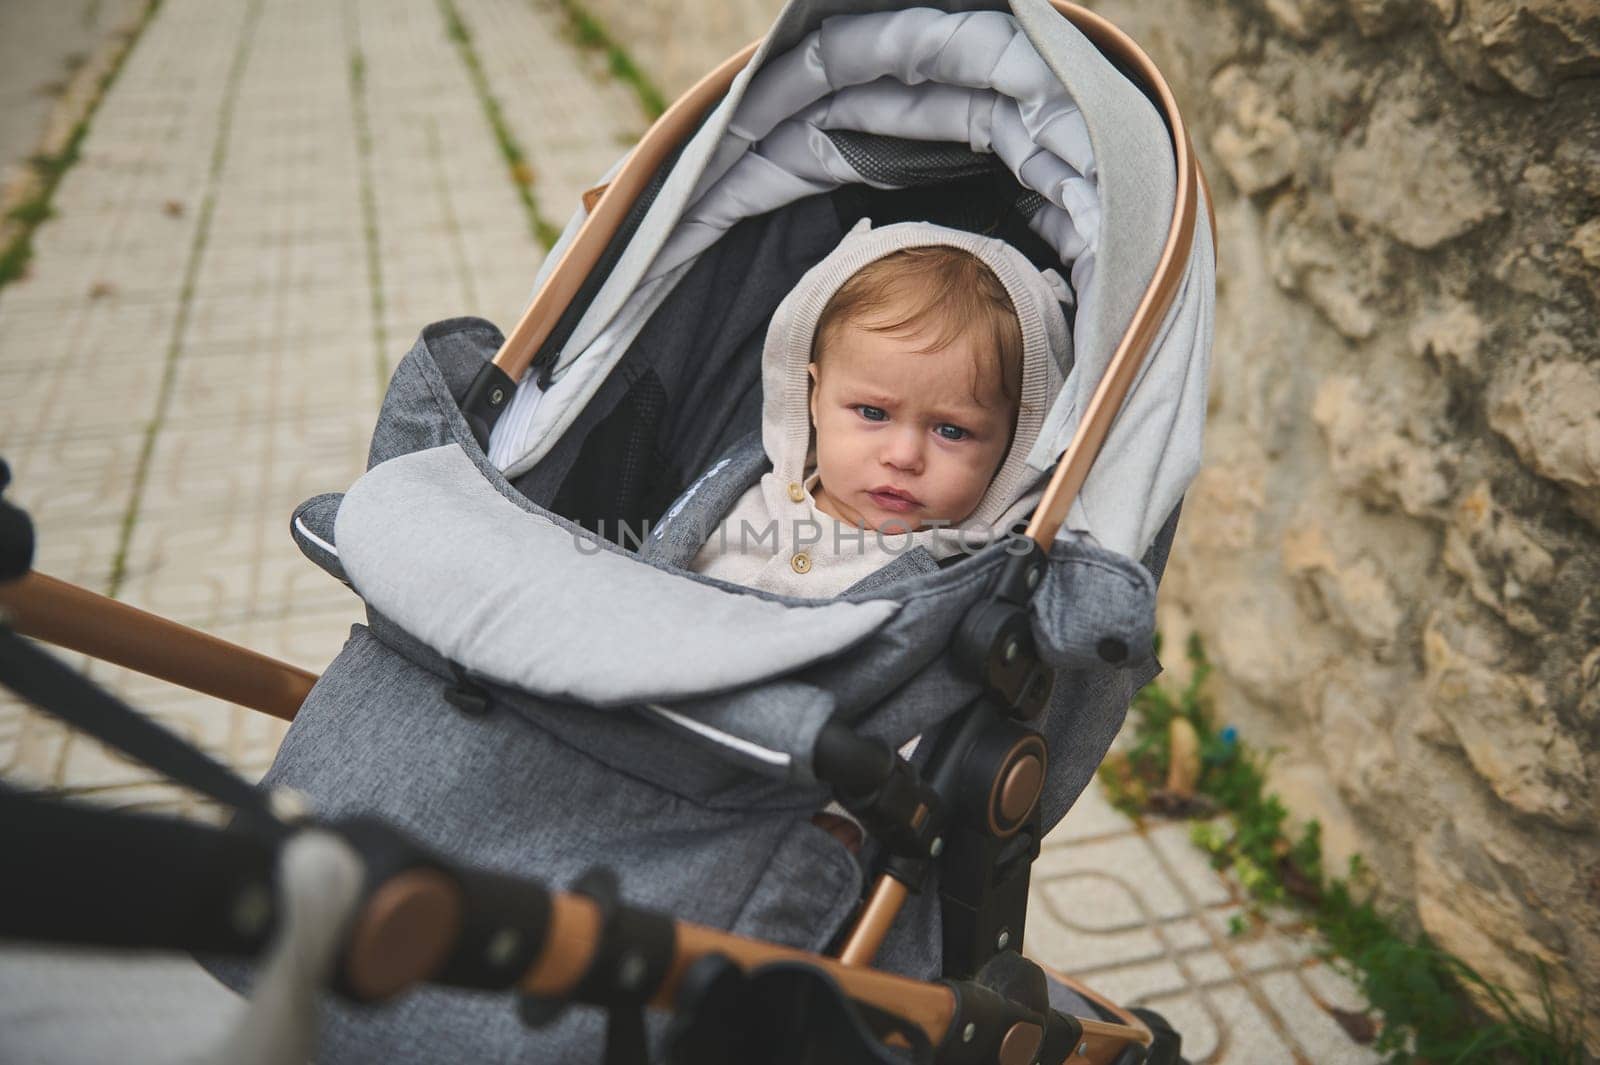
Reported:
(872, 414)
(951, 432)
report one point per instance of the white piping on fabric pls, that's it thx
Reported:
(745, 747)
(299, 523)
(320, 878)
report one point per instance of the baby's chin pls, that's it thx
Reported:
(902, 524)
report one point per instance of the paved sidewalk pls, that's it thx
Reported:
(272, 200)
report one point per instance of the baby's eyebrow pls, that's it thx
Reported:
(964, 410)
(872, 399)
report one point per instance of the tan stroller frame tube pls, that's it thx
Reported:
(101, 627)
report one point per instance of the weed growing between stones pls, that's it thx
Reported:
(1418, 992)
(27, 215)
(517, 165)
(588, 33)
(20, 221)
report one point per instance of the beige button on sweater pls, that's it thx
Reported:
(775, 538)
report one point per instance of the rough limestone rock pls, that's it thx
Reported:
(1400, 590)
(1392, 553)
(1530, 45)
(1479, 899)
(1504, 562)
(1410, 179)
(1257, 144)
(1550, 413)
(1505, 725)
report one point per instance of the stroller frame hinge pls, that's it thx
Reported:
(990, 772)
(485, 400)
(994, 644)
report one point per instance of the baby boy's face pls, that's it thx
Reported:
(902, 440)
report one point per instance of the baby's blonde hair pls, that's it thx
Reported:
(941, 292)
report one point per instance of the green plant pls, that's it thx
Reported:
(1420, 991)
(544, 231)
(32, 212)
(588, 33)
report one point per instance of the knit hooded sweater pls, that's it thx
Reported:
(775, 538)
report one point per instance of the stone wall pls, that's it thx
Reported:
(1393, 552)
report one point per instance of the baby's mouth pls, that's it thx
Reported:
(896, 500)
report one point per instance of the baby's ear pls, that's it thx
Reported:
(811, 402)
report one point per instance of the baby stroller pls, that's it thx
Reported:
(537, 711)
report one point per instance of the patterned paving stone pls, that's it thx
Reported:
(1137, 913)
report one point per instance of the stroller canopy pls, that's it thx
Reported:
(900, 98)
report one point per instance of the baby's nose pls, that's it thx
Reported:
(903, 451)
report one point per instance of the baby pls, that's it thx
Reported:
(904, 381)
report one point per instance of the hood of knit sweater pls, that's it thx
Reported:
(1046, 349)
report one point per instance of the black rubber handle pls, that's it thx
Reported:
(16, 534)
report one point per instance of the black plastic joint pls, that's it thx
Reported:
(912, 872)
(16, 534)
(503, 928)
(1022, 572)
(880, 789)
(985, 1021)
(852, 765)
(486, 399)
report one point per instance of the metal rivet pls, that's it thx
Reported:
(1033, 577)
(936, 848)
(1009, 651)
(1003, 939)
(630, 971)
(252, 909)
(969, 1032)
(503, 945)
(496, 396)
